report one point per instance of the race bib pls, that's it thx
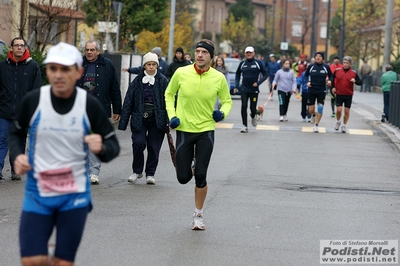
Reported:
(58, 180)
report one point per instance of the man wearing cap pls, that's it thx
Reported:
(344, 79)
(319, 76)
(19, 74)
(199, 86)
(63, 122)
(273, 67)
(162, 66)
(250, 70)
(100, 79)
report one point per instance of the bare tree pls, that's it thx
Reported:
(46, 23)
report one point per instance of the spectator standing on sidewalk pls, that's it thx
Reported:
(63, 122)
(365, 72)
(250, 70)
(286, 79)
(199, 86)
(319, 76)
(335, 65)
(179, 61)
(100, 79)
(344, 79)
(386, 79)
(144, 105)
(19, 74)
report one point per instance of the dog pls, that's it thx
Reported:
(260, 112)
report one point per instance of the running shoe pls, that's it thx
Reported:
(312, 119)
(344, 129)
(304, 120)
(337, 126)
(281, 118)
(198, 222)
(94, 179)
(244, 129)
(254, 122)
(333, 114)
(316, 129)
(134, 177)
(285, 118)
(14, 176)
(150, 180)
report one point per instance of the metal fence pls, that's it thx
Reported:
(394, 103)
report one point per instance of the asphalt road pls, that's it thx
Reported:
(274, 193)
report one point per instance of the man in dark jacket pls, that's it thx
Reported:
(19, 73)
(250, 70)
(179, 61)
(100, 80)
(319, 76)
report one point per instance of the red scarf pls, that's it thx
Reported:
(24, 57)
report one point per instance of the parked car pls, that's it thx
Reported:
(232, 65)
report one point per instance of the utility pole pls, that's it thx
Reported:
(341, 52)
(314, 25)
(117, 9)
(285, 26)
(388, 33)
(171, 31)
(328, 25)
(273, 27)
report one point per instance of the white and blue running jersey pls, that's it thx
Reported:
(57, 151)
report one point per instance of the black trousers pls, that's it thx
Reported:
(284, 99)
(201, 145)
(245, 96)
(152, 138)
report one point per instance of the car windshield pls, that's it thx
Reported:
(232, 65)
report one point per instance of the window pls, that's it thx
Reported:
(220, 19)
(212, 15)
(322, 30)
(325, 4)
(257, 20)
(297, 29)
(298, 3)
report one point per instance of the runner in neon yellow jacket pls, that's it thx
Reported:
(194, 119)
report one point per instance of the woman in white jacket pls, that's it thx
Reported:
(287, 85)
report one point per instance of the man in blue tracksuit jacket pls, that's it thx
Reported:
(273, 67)
(250, 70)
(319, 76)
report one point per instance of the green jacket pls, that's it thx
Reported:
(387, 78)
(197, 95)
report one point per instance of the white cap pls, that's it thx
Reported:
(64, 54)
(150, 57)
(271, 55)
(249, 49)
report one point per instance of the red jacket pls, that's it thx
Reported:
(333, 67)
(342, 81)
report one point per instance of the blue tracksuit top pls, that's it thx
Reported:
(273, 68)
(317, 75)
(250, 71)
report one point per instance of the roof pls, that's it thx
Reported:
(59, 11)
(380, 23)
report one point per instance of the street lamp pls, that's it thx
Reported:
(117, 9)
(273, 26)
